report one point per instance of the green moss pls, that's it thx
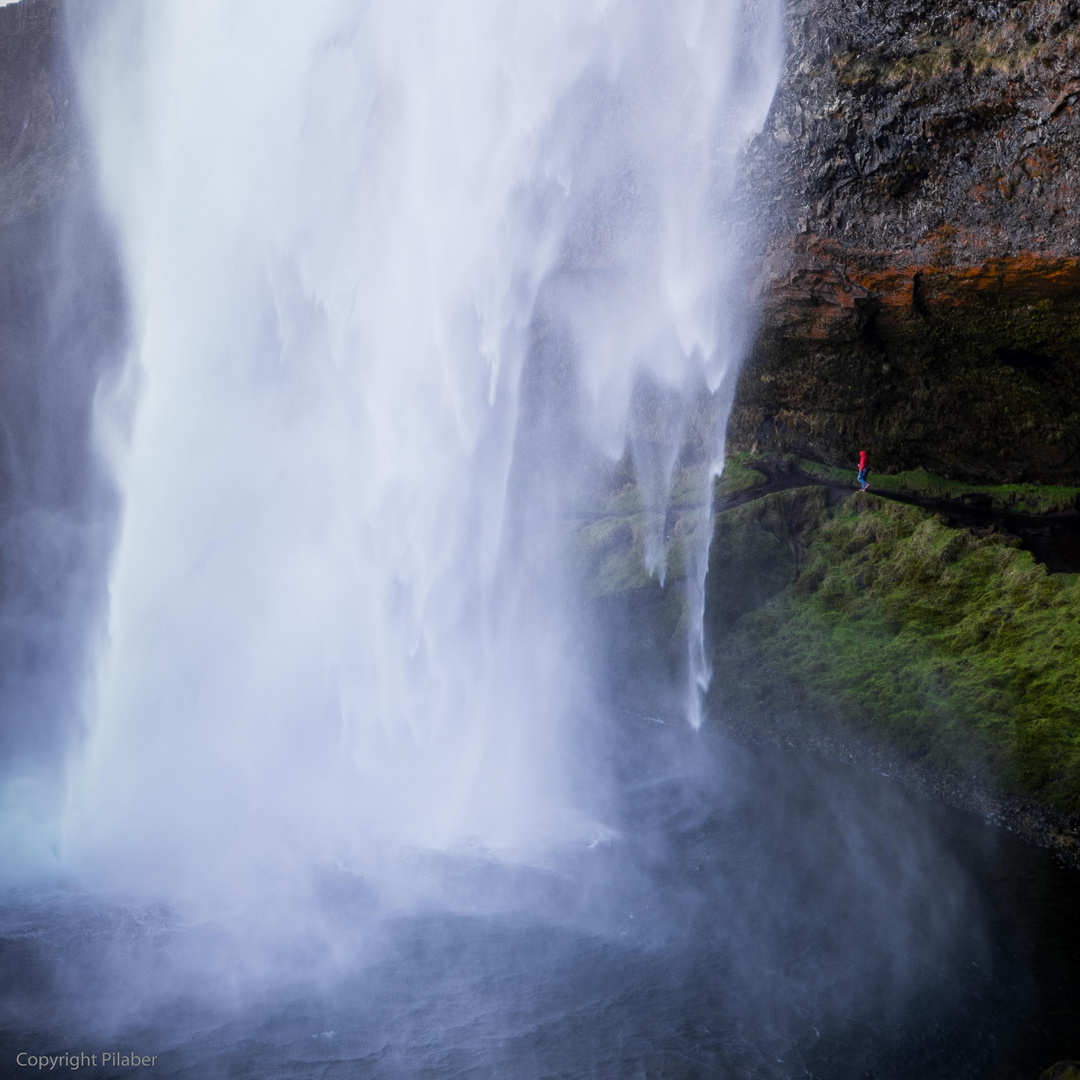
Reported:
(611, 546)
(738, 476)
(934, 59)
(1021, 498)
(829, 473)
(874, 617)
(957, 648)
(757, 550)
(611, 550)
(627, 501)
(1062, 1070)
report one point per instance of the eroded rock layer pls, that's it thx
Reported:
(920, 295)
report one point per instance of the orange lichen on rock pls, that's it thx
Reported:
(827, 285)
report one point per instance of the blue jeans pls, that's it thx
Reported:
(862, 478)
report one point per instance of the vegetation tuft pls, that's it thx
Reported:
(957, 648)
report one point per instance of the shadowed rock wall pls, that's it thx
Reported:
(920, 296)
(62, 324)
(41, 153)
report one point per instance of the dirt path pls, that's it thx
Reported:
(1054, 539)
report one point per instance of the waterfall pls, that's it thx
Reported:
(405, 278)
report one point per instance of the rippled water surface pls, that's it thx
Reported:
(758, 915)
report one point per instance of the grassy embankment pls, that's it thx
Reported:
(875, 618)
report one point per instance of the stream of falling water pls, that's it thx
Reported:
(404, 277)
(412, 287)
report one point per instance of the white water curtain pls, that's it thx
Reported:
(337, 620)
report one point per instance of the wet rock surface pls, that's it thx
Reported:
(1042, 826)
(62, 328)
(920, 291)
(42, 151)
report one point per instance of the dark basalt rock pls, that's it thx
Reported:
(62, 326)
(913, 198)
(41, 152)
(920, 291)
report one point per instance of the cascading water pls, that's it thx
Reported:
(414, 288)
(403, 277)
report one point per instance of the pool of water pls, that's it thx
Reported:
(754, 914)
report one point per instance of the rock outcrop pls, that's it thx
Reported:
(920, 296)
(62, 326)
(41, 152)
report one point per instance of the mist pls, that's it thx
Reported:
(397, 277)
(349, 770)
(62, 327)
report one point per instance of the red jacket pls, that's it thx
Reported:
(862, 460)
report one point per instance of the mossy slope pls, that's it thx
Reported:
(877, 618)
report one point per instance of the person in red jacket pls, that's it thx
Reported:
(864, 468)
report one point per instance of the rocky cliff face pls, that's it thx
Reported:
(62, 326)
(41, 154)
(920, 296)
(920, 292)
